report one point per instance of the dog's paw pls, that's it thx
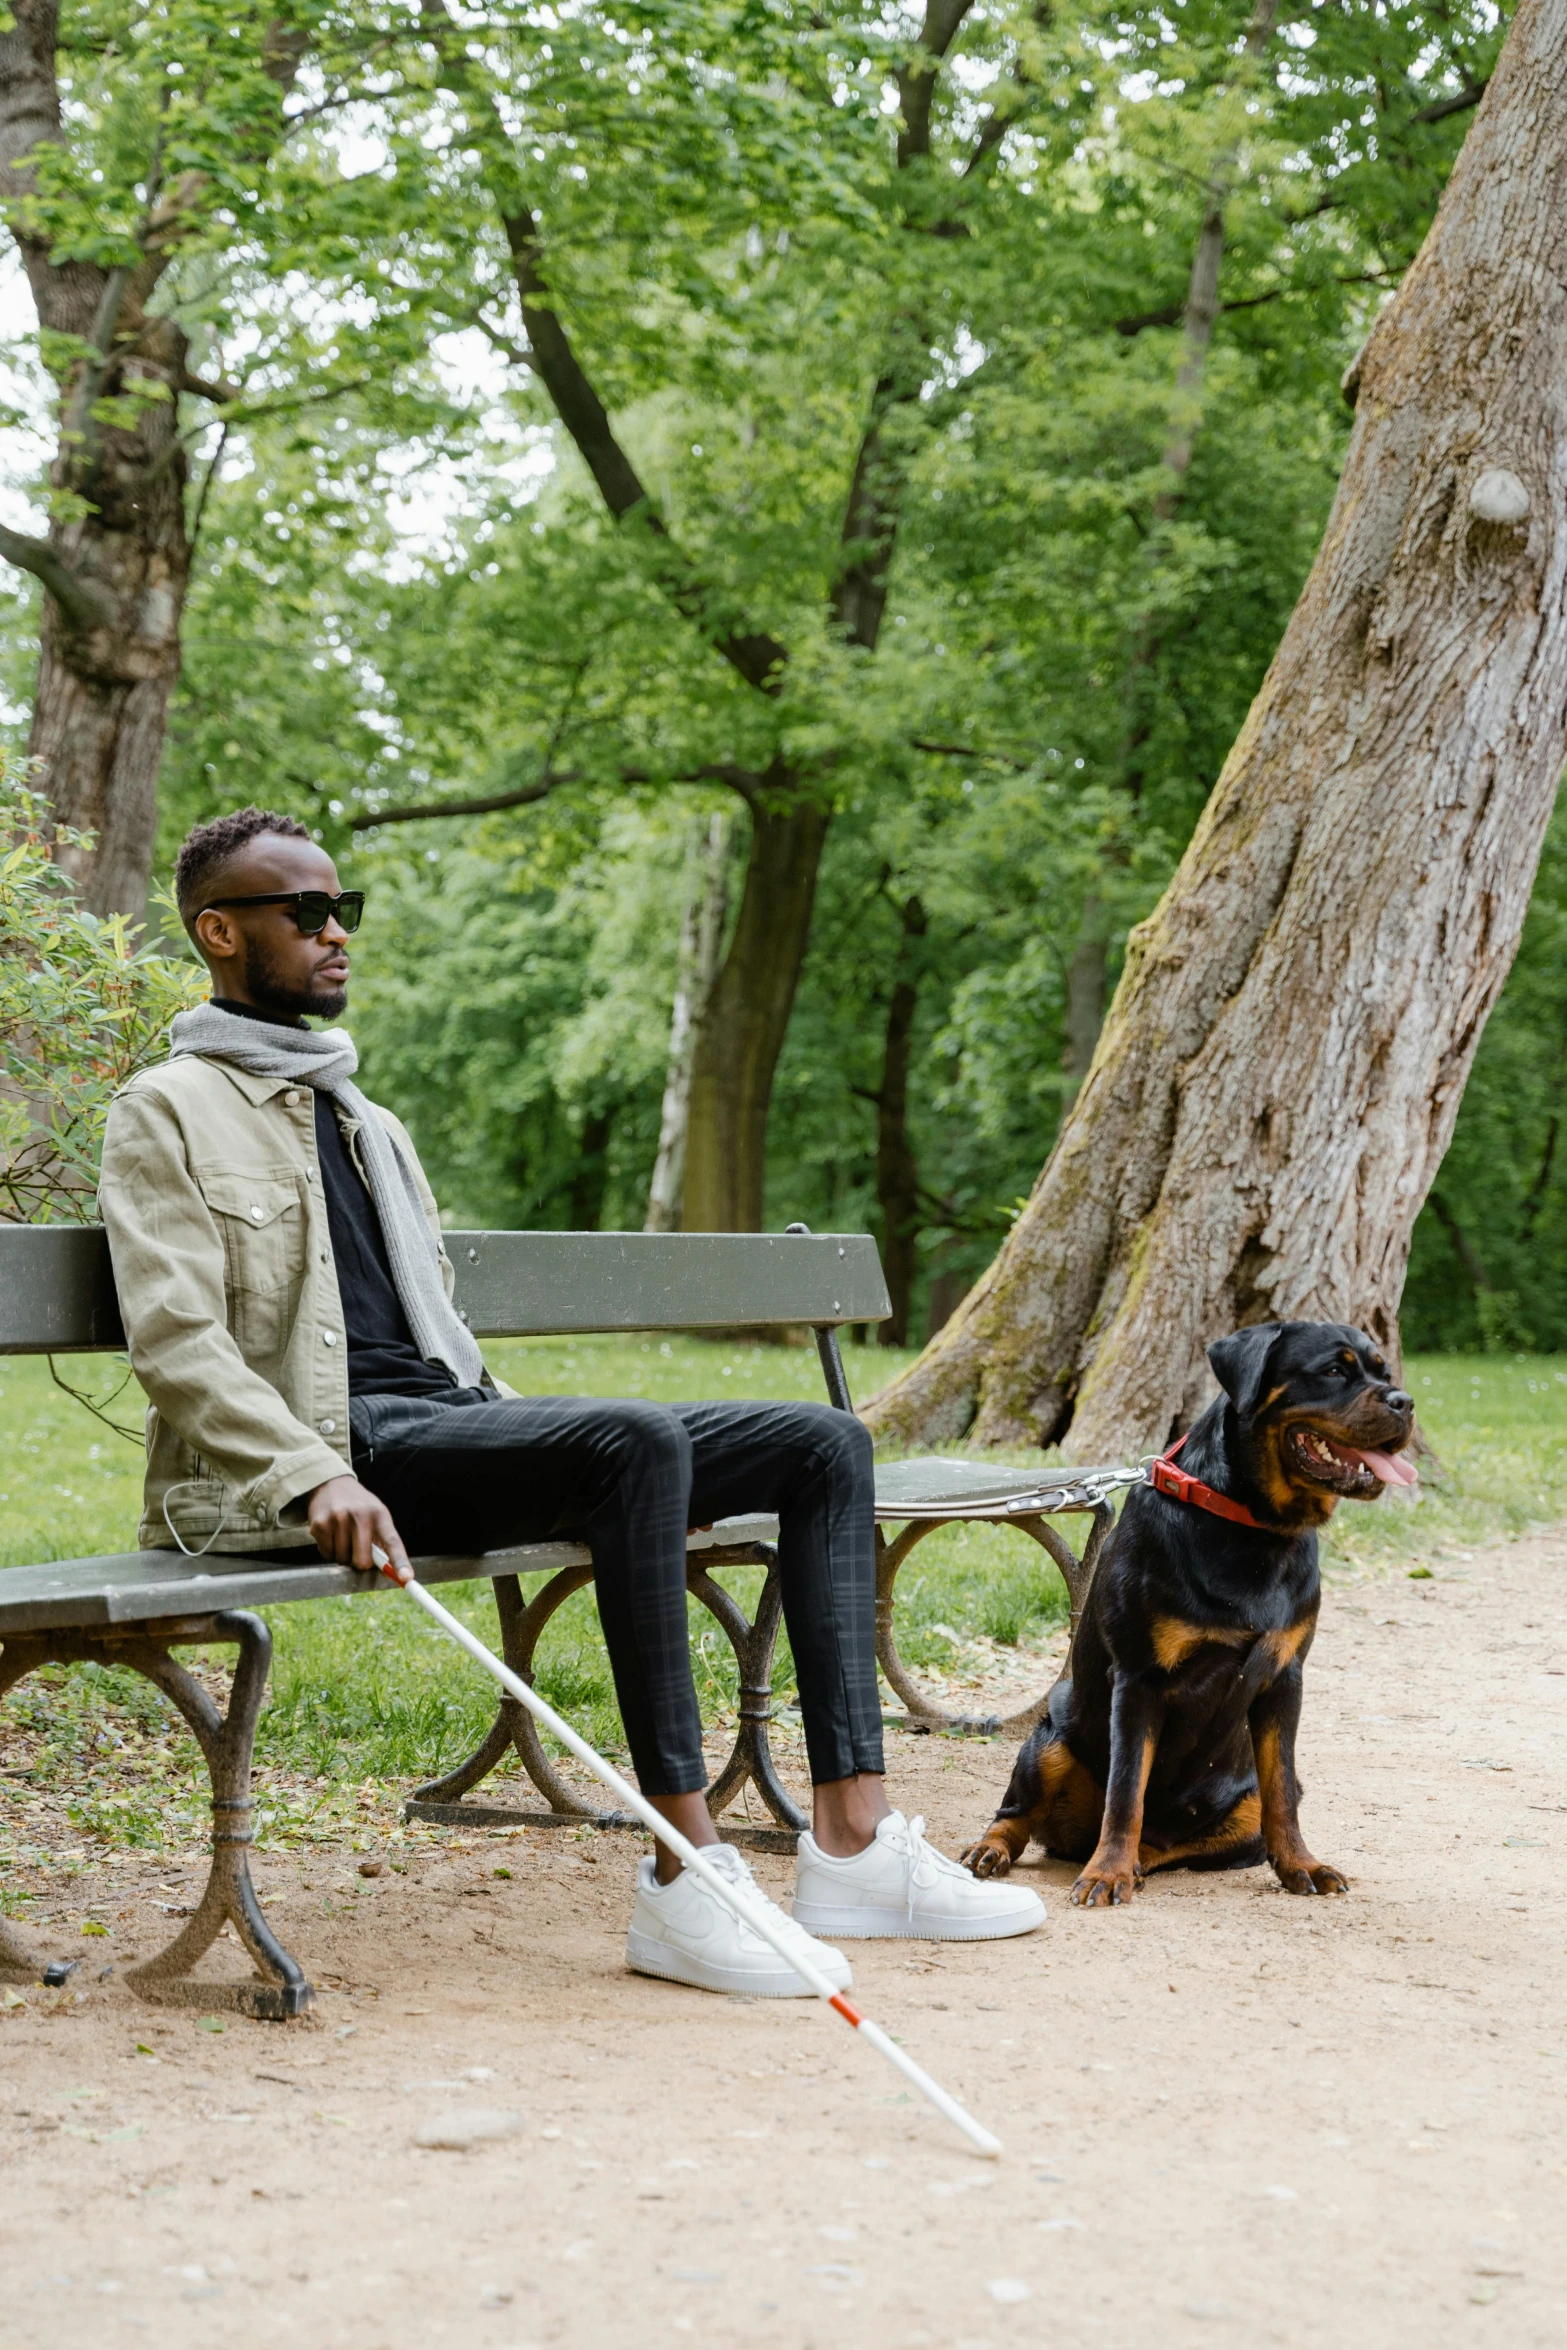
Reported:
(988, 1858)
(1310, 1876)
(1108, 1881)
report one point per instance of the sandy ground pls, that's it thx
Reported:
(1229, 2115)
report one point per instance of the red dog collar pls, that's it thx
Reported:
(1178, 1485)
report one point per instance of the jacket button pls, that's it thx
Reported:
(255, 1213)
(329, 1427)
(292, 1097)
(329, 1338)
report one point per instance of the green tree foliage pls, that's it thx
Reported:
(752, 267)
(82, 1008)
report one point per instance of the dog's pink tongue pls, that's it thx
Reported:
(1389, 1468)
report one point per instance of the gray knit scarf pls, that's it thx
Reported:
(307, 1056)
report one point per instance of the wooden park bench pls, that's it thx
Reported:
(136, 1608)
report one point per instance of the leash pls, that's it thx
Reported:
(732, 1896)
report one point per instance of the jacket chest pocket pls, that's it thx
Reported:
(263, 1227)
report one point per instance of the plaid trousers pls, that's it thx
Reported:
(470, 1472)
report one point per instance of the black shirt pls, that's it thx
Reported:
(382, 1356)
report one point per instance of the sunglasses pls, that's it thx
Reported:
(313, 908)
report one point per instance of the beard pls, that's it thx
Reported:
(270, 991)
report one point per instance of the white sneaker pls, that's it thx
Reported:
(901, 1886)
(687, 1934)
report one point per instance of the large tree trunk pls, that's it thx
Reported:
(115, 574)
(100, 711)
(748, 1017)
(117, 558)
(1280, 1073)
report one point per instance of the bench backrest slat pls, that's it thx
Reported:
(57, 1290)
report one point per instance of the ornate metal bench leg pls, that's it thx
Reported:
(521, 1626)
(889, 1558)
(751, 1756)
(521, 1629)
(502, 1733)
(226, 1742)
(1076, 1573)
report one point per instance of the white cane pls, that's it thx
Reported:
(734, 1896)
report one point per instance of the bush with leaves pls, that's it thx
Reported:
(83, 1005)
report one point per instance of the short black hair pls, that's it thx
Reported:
(209, 847)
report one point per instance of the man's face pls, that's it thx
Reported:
(258, 954)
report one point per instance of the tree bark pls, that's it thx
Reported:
(748, 1017)
(115, 577)
(115, 570)
(897, 1170)
(100, 707)
(1278, 1079)
(701, 943)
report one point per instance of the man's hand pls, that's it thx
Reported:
(346, 1518)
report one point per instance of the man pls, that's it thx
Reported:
(286, 1297)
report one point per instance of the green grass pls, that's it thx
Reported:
(363, 1692)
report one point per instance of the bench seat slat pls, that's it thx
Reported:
(936, 1488)
(141, 1586)
(137, 1586)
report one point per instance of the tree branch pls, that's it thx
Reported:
(1171, 313)
(758, 657)
(1202, 293)
(527, 795)
(1464, 1248)
(284, 47)
(85, 605)
(992, 131)
(918, 742)
(219, 393)
(193, 540)
(1441, 108)
(486, 805)
(1001, 119)
(917, 79)
(76, 426)
(868, 538)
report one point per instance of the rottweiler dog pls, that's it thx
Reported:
(1171, 1737)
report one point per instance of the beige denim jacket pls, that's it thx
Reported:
(211, 1195)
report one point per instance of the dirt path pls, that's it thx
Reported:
(1230, 2116)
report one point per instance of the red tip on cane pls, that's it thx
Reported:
(849, 2013)
(402, 1576)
